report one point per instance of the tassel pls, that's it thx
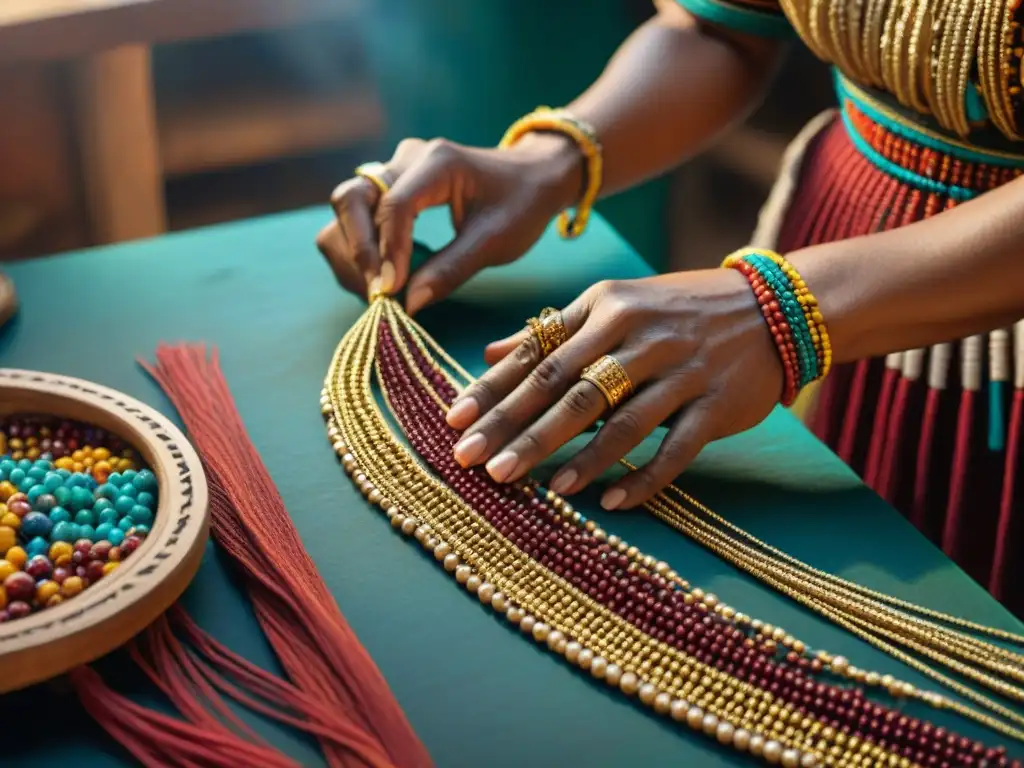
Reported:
(335, 691)
(315, 645)
(970, 351)
(893, 363)
(938, 375)
(912, 368)
(1004, 547)
(999, 374)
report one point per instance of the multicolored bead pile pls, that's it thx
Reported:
(74, 503)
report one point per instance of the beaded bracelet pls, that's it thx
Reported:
(792, 314)
(561, 121)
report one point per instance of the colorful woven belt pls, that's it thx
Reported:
(917, 156)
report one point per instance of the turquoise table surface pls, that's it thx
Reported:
(476, 691)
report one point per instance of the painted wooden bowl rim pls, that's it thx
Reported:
(109, 613)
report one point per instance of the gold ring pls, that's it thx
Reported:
(548, 330)
(376, 173)
(608, 375)
(553, 327)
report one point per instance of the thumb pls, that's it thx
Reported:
(428, 182)
(471, 250)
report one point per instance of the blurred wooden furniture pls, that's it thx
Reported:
(127, 140)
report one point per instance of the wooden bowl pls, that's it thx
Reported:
(109, 613)
(8, 299)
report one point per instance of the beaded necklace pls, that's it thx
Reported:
(631, 620)
(929, 55)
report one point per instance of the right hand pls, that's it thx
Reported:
(501, 201)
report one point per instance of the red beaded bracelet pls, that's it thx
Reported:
(782, 334)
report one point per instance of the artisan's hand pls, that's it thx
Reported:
(694, 344)
(500, 202)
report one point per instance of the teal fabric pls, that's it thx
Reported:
(475, 690)
(739, 18)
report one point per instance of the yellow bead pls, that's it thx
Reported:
(64, 462)
(101, 454)
(7, 490)
(3, 597)
(10, 520)
(60, 552)
(6, 569)
(17, 557)
(46, 590)
(54, 600)
(8, 538)
(78, 467)
(109, 568)
(77, 456)
(72, 586)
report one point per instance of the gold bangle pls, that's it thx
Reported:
(561, 121)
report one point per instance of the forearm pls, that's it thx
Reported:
(670, 89)
(951, 276)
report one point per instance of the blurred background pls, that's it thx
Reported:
(123, 119)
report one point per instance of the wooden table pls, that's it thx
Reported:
(474, 689)
(123, 157)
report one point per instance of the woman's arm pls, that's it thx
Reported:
(945, 278)
(669, 90)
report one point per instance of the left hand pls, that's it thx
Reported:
(693, 343)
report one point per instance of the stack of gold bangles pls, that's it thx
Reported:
(607, 373)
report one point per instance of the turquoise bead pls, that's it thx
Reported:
(116, 479)
(141, 530)
(16, 476)
(141, 515)
(42, 464)
(6, 466)
(125, 523)
(26, 485)
(145, 480)
(63, 495)
(80, 498)
(52, 482)
(103, 531)
(77, 480)
(37, 546)
(64, 473)
(59, 515)
(37, 473)
(146, 499)
(87, 532)
(128, 476)
(124, 505)
(128, 491)
(116, 537)
(105, 491)
(35, 492)
(63, 532)
(108, 515)
(85, 517)
(25, 465)
(101, 504)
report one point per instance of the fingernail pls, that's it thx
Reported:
(417, 299)
(564, 480)
(613, 498)
(467, 451)
(373, 286)
(387, 277)
(502, 466)
(463, 413)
